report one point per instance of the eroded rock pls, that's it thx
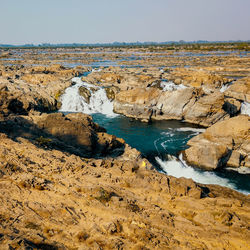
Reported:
(240, 90)
(85, 93)
(226, 144)
(36, 88)
(53, 199)
(111, 92)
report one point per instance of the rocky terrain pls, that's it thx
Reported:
(67, 184)
(194, 95)
(33, 88)
(225, 144)
(51, 199)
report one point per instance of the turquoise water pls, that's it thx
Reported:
(163, 138)
(160, 142)
(158, 138)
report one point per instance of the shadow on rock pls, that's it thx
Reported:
(73, 133)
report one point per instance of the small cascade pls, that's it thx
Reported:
(178, 168)
(245, 108)
(225, 87)
(171, 86)
(72, 101)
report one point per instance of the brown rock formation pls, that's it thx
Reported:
(20, 98)
(240, 90)
(141, 95)
(197, 78)
(51, 199)
(122, 78)
(33, 88)
(111, 92)
(85, 93)
(74, 133)
(187, 104)
(225, 144)
(206, 110)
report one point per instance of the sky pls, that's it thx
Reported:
(102, 21)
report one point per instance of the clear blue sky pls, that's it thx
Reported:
(92, 21)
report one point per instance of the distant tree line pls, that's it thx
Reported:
(170, 45)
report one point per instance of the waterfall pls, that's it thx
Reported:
(171, 86)
(245, 108)
(225, 87)
(72, 101)
(178, 168)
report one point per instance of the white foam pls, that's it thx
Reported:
(245, 108)
(170, 86)
(184, 129)
(178, 168)
(224, 88)
(72, 101)
(96, 70)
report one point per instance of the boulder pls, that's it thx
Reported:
(137, 96)
(85, 93)
(111, 92)
(205, 110)
(110, 77)
(231, 106)
(37, 88)
(225, 144)
(207, 155)
(39, 78)
(75, 133)
(20, 98)
(124, 79)
(81, 132)
(240, 90)
(172, 103)
(136, 102)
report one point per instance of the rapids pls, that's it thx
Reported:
(160, 142)
(72, 101)
(245, 108)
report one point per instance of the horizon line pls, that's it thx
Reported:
(122, 43)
